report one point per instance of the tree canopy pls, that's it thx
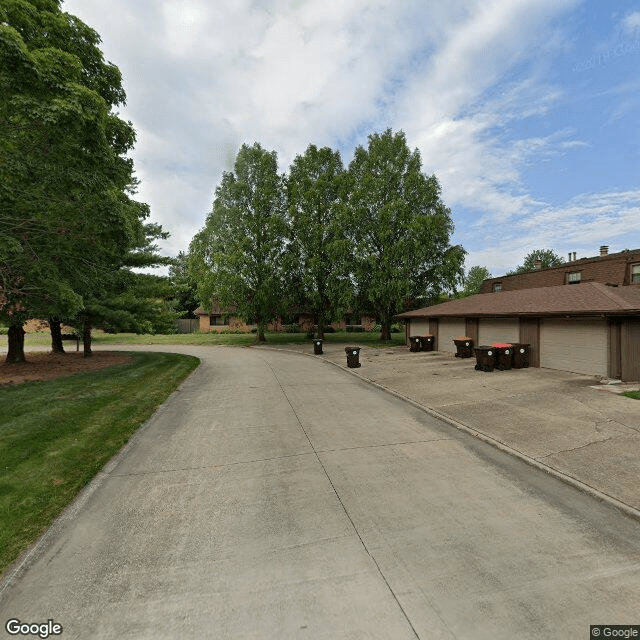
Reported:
(548, 258)
(399, 228)
(67, 217)
(317, 270)
(321, 239)
(238, 257)
(473, 280)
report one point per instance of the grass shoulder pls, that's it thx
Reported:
(56, 435)
(632, 394)
(371, 339)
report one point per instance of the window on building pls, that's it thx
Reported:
(497, 286)
(573, 278)
(635, 273)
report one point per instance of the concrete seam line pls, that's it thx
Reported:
(343, 506)
(34, 551)
(563, 477)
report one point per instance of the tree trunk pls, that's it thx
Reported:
(261, 337)
(86, 339)
(15, 337)
(56, 336)
(320, 333)
(385, 332)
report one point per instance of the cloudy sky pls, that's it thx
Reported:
(527, 111)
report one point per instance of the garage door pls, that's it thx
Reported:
(574, 344)
(498, 330)
(419, 327)
(448, 329)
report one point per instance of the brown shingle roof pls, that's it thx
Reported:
(576, 299)
(613, 267)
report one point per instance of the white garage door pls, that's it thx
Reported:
(448, 329)
(574, 344)
(419, 327)
(498, 330)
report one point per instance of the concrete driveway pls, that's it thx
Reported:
(274, 496)
(569, 424)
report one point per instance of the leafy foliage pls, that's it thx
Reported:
(68, 223)
(183, 288)
(317, 271)
(473, 281)
(399, 228)
(238, 257)
(548, 257)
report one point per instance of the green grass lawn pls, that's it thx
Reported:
(371, 339)
(56, 435)
(632, 394)
(243, 339)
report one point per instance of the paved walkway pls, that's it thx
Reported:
(566, 423)
(274, 497)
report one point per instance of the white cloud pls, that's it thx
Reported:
(458, 129)
(631, 23)
(456, 76)
(582, 224)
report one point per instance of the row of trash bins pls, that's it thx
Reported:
(502, 356)
(353, 353)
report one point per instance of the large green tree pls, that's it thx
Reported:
(399, 227)
(184, 288)
(238, 257)
(547, 257)
(316, 265)
(65, 179)
(123, 299)
(473, 281)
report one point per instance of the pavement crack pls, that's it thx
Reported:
(386, 444)
(582, 446)
(211, 466)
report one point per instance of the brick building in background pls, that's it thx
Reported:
(582, 316)
(620, 269)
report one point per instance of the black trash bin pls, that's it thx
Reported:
(415, 344)
(317, 346)
(486, 358)
(353, 357)
(505, 356)
(427, 342)
(520, 355)
(464, 346)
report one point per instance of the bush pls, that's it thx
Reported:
(292, 328)
(355, 328)
(329, 330)
(4, 331)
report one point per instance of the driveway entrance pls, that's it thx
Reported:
(274, 496)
